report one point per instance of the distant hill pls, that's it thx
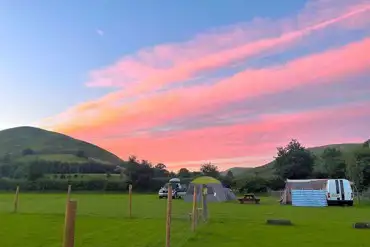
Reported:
(268, 169)
(48, 145)
(237, 170)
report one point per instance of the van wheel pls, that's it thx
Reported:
(350, 204)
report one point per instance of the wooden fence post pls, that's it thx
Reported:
(130, 200)
(69, 227)
(195, 210)
(16, 199)
(168, 216)
(68, 199)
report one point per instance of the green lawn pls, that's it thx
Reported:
(102, 221)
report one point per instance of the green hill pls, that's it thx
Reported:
(237, 170)
(50, 146)
(268, 169)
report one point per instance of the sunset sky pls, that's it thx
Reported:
(185, 82)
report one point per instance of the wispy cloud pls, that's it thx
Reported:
(165, 64)
(321, 68)
(140, 119)
(161, 65)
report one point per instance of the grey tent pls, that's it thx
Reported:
(215, 191)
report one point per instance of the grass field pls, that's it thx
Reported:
(102, 221)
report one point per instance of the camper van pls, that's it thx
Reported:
(339, 192)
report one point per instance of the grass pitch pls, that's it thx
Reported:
(102, 221)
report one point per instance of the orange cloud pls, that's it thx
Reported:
(256, 139)
(322, 68)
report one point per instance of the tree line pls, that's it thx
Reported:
(292, 161)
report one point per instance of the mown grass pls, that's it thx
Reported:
(102, 221)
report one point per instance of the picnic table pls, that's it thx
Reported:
(249, 198)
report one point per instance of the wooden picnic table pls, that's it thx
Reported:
(249, 198)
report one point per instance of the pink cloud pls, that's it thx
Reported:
(145, 72)
(317, 69)
(258, 138)
(249, 143)
(151, 68)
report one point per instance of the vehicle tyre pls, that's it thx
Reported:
(350, 204)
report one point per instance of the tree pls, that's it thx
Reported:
(160, 166)
(255, 185)
(146, 163)
(139, 174)
(160, 170)
(333, 163)
(184, 173)
(35, 171)
(27, 151)
(228, 179)
(230, 174)
(132, 159)
(80, 154)
(6, 158)
(367, 144)
(362, 171)
(276, 183)
(210, 170)
(294, 161)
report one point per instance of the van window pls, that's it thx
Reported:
(337, 186)
(342, 188)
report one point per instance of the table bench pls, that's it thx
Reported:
(249, 198)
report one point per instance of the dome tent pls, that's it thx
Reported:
(215, 191)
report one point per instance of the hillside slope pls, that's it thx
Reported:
(268, 169)
(50, 146)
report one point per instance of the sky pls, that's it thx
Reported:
(188, 82)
